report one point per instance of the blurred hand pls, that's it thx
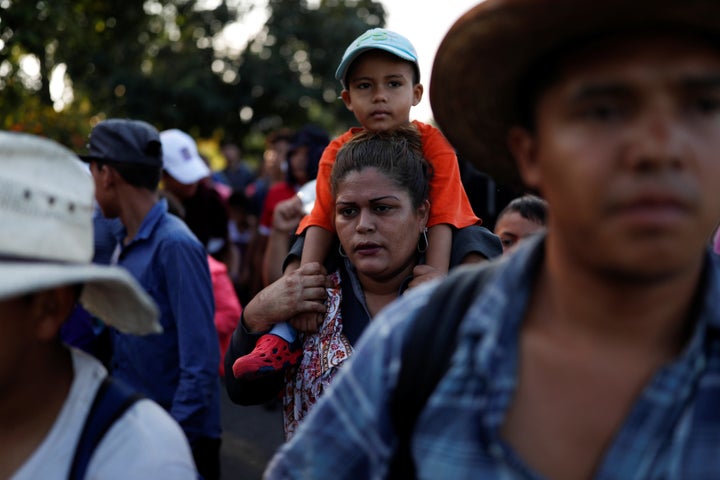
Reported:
(287, 215)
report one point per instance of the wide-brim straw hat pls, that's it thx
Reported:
(489, 50)
(46, 208)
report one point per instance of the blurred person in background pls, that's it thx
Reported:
(177, 368)
(522, 217)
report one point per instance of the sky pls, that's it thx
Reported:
(423, 23)
(425, 26)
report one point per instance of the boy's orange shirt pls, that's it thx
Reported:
(448, 201)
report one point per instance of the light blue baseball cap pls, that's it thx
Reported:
(378, 39)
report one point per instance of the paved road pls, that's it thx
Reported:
(250, 437)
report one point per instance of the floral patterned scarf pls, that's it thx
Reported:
(324, 352)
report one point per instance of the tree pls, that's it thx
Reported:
(287, 73)
(155, 60)
(127, 58)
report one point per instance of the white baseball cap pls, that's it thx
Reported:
(181, 158)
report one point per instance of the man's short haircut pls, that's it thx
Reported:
(395, 153)
(135, 174)
(529, 207)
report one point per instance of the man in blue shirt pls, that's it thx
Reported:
(178, 368)
(593, 351)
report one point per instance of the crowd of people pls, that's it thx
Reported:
(137, 286)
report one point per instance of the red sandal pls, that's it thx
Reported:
(271, 354)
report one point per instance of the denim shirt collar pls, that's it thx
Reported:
(490, 348)
(148, 224)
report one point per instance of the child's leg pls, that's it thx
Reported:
(284, 331)
(273, 353)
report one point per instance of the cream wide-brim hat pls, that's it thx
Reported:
(488, 51)
(109, 293)
(46, 205)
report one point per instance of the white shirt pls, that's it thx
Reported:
(145, 443)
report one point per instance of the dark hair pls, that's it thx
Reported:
(397, 154)
(529, 207)
(542, 74)
(137, 175)
(315, 139)
(228, 141)
(238, 199)
(282, 134)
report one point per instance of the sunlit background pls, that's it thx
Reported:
(214, 68)
(423, 24)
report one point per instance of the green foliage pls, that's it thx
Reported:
(155, 60)
(287, 73)
(70, 127)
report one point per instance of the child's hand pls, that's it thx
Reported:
(307, 322)
(424, 273)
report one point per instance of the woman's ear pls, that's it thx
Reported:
(423, 212)
(523, 145)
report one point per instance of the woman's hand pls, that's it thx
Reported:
(293, 294)
(424, 273)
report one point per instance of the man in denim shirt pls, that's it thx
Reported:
(178, 368)
(593, 352)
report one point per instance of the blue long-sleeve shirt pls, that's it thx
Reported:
(177, 368)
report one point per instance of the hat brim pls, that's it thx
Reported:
(486, 53)
(189, 173)
(109, 293)
(342, 69)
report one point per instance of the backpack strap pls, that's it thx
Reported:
(111, 401)
(426, 353)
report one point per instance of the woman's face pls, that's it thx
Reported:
(377, 224)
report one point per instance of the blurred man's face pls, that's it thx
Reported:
(231, 152)
(104, 194)
(181, 191)
(26, 322)
(627, 153)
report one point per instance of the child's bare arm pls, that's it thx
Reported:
(286, 217)
(317, 245)
(313, 248)
(437, 256)
(439, 246)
